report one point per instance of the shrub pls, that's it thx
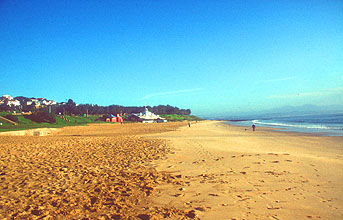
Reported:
(12, 117)
(42, 116)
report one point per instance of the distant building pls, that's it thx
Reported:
(7, 97)
(13, 103)
(39, 102)
(10, 100)
(148, 117)
(112, 118)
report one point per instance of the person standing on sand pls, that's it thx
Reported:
(189, 124)
(253, 127)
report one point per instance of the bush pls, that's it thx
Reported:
(12, 117)
(42, 116)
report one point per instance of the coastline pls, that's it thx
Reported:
(277, 129)
(320, 125)
(232, 173)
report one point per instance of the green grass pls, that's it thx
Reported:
(80, 120)
(175, 117)
(24, 123)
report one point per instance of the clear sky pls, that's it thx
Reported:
(209, 56)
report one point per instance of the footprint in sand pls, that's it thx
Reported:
(202, 208)
(213, 194)
(271, 207)
(177, 195)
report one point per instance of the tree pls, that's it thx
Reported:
(71, 107)
(41, 116)
(28, 108)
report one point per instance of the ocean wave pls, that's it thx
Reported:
(297, 125)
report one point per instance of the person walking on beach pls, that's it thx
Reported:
(253, 127)
(189, 124)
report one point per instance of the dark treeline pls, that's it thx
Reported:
(71, 108)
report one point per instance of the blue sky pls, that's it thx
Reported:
(209, 56)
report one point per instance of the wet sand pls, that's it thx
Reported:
(233, 173)
(88, 172)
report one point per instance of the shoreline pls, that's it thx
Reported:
(288, 130)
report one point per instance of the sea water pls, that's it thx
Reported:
(328, 124)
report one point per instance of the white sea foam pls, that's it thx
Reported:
(314, 126)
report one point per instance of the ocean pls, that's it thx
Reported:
(326, 124)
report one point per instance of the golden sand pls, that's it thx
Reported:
(89, 172)
(171, 171)
(233, 173)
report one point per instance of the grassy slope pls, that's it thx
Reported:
(74, 120)
(175, 117)
(28, 124)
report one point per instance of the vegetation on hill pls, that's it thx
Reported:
(12, 118)
(69, 113)
(41, 116)
(70, 108)
(47, 121)
(175, 117)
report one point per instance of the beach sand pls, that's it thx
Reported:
(87, 172)
(233, 173)
(171, 171)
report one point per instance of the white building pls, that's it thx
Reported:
(13, 102)
(7, 97)
(149, 117)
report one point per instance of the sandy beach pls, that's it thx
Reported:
(87, 172)
(233, 173)
(171, 171)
